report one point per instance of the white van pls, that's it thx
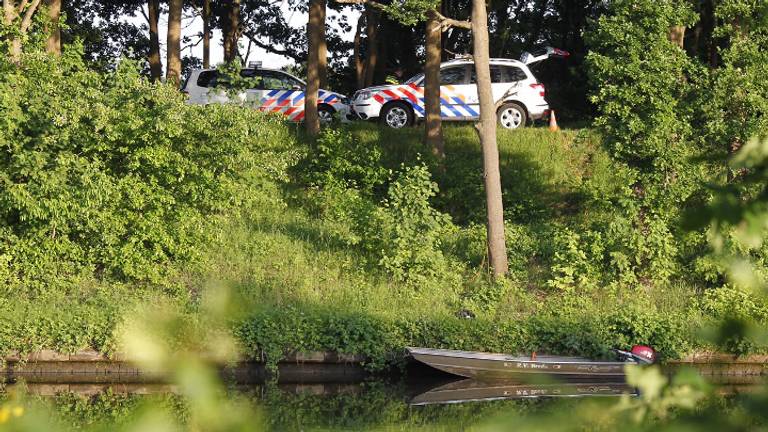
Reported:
(274, 91)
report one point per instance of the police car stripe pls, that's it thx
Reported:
(410, 96)
(284, 96)
(391, 94)
(471, 111)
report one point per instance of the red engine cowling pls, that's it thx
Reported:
(645, 353)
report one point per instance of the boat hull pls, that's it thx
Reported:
(489, 366)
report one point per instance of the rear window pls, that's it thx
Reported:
(513, 74)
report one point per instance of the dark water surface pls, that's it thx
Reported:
(418, 400)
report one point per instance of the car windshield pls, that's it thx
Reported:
(415, 78)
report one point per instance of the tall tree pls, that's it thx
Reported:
(372, 22)
(173, 61)
(433, 129)
(486, 129)
(232, 30)
(18, 16)
(323, 54)
(206, 33)
(356, 54)
(155, 65)
(53, 44)
(315, 33)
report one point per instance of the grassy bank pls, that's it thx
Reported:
(360, 243)
(317, 289)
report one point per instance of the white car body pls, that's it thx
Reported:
(515, 89)
(276, 91)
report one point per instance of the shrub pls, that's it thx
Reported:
(411, 229)
(340, 158)
(113, 176)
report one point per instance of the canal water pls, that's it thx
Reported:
(417, 400)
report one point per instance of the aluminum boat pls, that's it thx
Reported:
(490, 366)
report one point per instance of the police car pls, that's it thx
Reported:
(517, 93)
(274, 91)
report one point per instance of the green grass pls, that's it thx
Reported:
(305, 289)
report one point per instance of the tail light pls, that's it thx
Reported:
(540, 88)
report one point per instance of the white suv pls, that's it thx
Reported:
(274, 91)
(516, 91)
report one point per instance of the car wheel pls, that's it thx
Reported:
(512, 116)
(325, 113)
(397, 116)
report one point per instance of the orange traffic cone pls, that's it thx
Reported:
(553, 122)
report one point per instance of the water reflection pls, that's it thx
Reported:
(413, 401)
(469, 390)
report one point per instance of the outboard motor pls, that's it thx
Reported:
(640, 354)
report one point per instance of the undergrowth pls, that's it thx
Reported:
(359, 243)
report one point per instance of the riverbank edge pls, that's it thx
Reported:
(757, 364)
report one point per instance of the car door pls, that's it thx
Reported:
(508, 86)
(499, 85)
(282, 93)
(457, 95)
(255, 89)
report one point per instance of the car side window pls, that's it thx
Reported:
(291, 82)
(279, 81)
(207, 78)
(254, 77)
(453, 75)
(514, 74)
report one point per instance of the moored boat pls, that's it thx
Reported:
(491, 366)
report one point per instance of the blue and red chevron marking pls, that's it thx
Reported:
(451, 105)
(291, 102)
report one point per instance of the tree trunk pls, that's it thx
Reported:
(433, 125)
(315, 30)
(323, 55)
(9, 15)
(53, 44)
(206, 33)
(486, 129)
(371, 33)
(677, 35)
(359, 67)
(232, 31)
(173, 61)
(155, 66)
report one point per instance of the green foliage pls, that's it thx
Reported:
(410, 230)
(643, 95)
(339, 158)
(735, 100)
(114, 177)
(640, 76)
(403, 233)
(232, 82)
